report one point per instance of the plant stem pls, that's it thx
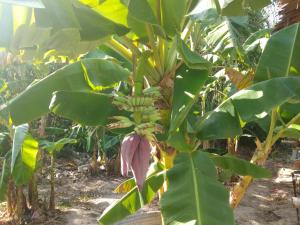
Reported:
(11, 197)
(117, 46)
(21, 204)
(33, 196)
(52, 185)
(260, 156)
(128, 43)
(279, 134)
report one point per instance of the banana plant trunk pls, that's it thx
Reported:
(33, 193)
(52, 185)
(21, 206)
(11, 198)
(94, 170)
(260, 156)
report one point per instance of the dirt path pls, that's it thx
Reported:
(268, 201)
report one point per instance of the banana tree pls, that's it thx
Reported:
(165, 77)
(18, 168)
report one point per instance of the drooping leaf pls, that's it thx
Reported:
(225, 34)
(188, 83)
(54, 147)
(70, 78)
(18, 141)
(281, 55)
(87, 28)
(240, 166)
(194, 195)
(192, 59)
(86, 108)
(259, 38)
(25, 163)
(129, 184)
(133, 200)
(247, 105)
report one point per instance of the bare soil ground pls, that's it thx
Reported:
(81, 199)
(268, 201)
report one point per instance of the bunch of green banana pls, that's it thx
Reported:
(152, 92)
(145, 105)
(148, 129)
(122, 122)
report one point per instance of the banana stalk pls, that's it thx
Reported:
(260, 156)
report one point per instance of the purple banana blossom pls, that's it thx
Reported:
(135, 155)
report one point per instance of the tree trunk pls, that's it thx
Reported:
(52, 186)
(11, 198)
(94, 169)
(21, 207)
(42, 134)
(33, 196)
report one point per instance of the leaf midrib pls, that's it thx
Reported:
(292, 51)
(195, 185)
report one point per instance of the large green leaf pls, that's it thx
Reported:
(240, 166)
(25, 163)
(85, 26)
(247, 105)
(18, 141)
(54, 147)
(225, 35)
(114, 10)
(173, 12)
(94, 26)
(129, 184)
(194, 195)
(58, 14)
(239, 7)
(133, 200)
(35, 100)
(281, 55)
(11, 17)
(4, 177)
(188, 83)
(142, 11)
(87, 108)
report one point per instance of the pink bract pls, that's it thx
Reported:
(135, 154)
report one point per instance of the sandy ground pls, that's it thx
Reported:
(268, 202)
